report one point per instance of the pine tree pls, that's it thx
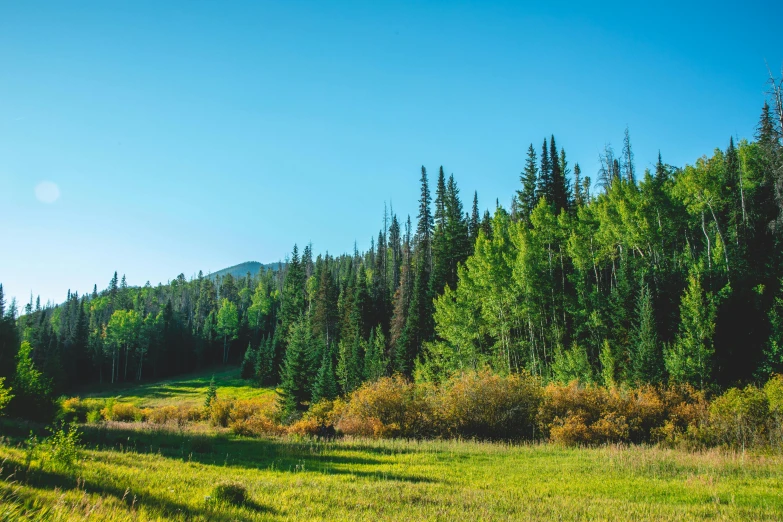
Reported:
(545, 181)
(563, 193)
(265, 362)
(293, 295)
(660, 170)
(247, 370)
(211, 392)
(629, 170)
(766, 132)
(375, 362)
(474, 223)
(646, 356)
(690, 358)
(350, 364)
(325, 386)
(578, 196)
(297, 371)
(529, 179)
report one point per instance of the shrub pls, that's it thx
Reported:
(389, 407)
(575, 414)
(246, 408)
(257, 425)
(5, 394)
(739, 417)
(687, 415)
(220, 412)
(486, 405)
(122, 412)
(774, 392)
(63, 446)
(326, 412)
(230, 492)
(94, 416)
(568, 412)
(305, 427)
(179, 414)
(74, 409)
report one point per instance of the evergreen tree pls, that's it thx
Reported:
(529, 179)
(211, 393)
(265, 362)
(628, 168)
(579, 199)
(293, 295)
(325, 386)
(690, 358)
(646, 355)
(474, 219)
(375, 362)
(297, 371)
(247, 370)
(766, 132)
(545, 180)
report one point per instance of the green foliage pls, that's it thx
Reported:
(230, 492)
(211, 393)
(5, 395)
(247, 369)
(739, 417)
(574, 365)
(298, 370)
(33, 390)
(63, 446)
(227, 325)
(325, 386)
(375, 362)
(689, 360)
(646, 354)
(608, 366)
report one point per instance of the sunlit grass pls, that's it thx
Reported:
(147, 473)
(188, 391)
(143, 471)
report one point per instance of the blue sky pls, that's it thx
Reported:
(197, 135)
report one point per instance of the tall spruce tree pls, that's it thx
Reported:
(529, 179)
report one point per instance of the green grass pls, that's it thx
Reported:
(143, 472)
(190, 390)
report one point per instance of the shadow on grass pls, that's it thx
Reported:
(12, 471)
(248, 453)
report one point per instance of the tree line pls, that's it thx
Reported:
(673, 274)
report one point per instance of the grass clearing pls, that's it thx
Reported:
(142, 471)
(190, 390)
(141, 474)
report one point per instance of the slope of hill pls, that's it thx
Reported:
(242, 269)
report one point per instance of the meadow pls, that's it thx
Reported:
(142, 471)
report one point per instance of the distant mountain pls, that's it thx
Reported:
(242, 269)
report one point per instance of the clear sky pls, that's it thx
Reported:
(197, 135)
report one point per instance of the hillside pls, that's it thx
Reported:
(242, 269)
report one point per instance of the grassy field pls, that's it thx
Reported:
(139, 472)
(190, 390)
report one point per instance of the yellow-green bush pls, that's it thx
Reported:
(220, 412)
(257, 425)
(488, 406)
(122, 412)
(74, 409)
(739, 418)
(575, 414)
(389, 407)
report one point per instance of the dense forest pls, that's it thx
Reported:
(673, 274)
